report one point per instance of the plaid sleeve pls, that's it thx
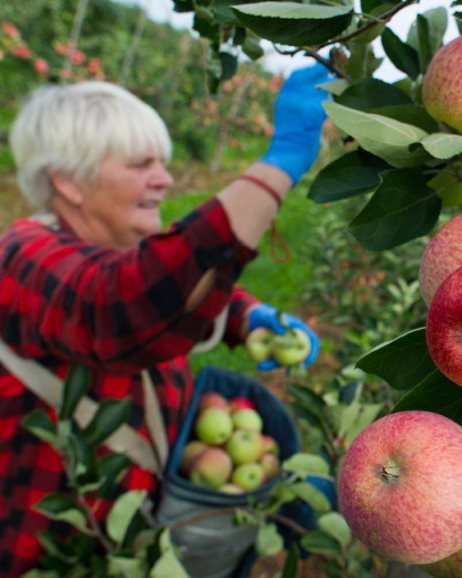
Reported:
(122, 310)
(240, 302)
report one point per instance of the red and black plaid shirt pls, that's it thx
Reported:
(62, 301)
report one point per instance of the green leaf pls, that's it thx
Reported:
(354, 173)
(41, 574)
(111, 414)
(168, 566)
(334, 525)
(122, 512)
(62, 508)
(317, 542)
(268, 541)
(110, 468)
(38, 422)
(430, 27)
(435, 393)
(372, 93)
(291, 563)
(305, 464)
(312, 496)
(120, 566)
(382, 136)
(306, 396)
(410, 113)
(402, 55)
(402, 208)
(442, 145)
(292, 23)
(76, 386)
(403, 363)
(366, 416)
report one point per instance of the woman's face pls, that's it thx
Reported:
(123, 206)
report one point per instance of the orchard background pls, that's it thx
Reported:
(356, 227)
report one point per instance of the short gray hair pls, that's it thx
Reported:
(72, 128)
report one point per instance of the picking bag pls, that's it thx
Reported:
(214, 547)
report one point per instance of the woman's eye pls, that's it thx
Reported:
(142, 163)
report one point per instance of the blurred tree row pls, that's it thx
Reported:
(40, 42)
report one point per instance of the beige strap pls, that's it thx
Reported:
(48, 387)
(154, 419)
(219, 327)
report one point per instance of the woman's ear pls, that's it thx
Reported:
(67, 188)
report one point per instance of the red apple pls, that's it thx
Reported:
(247, 419)
(292, 347)
(399, 487)
(244, 446)
(211, 468)
(271, 465)
(258, 344)
(442, 85)
(248, 476)
(190, 452)
(212, 399)
(213, 425)
(442, 256)
(241, 403)
(270, 445)
(444, 327)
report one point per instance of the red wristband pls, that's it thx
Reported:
(260, 183)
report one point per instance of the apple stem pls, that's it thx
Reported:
(390, 472)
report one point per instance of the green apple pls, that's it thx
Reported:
(213, 426)
(190, 452)
(292, 347)
(211, 468)
(259, 343)
(230, 488)
(271, 465)
(244, 446)
(247, 419)
(248, 476)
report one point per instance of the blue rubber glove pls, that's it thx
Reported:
(298, 120)
(264, 315)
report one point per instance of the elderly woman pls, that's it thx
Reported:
(92, 279)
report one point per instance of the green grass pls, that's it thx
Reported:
(281, 284)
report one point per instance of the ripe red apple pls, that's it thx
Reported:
(248, 476)
(244, 446)
(399, 487)
(247, 419)
(213, 425)
(444, 326)
(442, 85)
(270, 445)
(237, 403)
(259, 343)
(190, 452)
(270, 464)
(292, 347)
(212, 399)
(442, 256)
(211, 468)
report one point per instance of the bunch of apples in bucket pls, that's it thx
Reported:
(229, 452)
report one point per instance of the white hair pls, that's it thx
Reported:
(72, 128)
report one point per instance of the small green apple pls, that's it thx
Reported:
(248, 476)
(259, 344)
(244, 446)
(211, 468)
(292, 347)
(247, 419)
(213, 426)
(230, 488)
